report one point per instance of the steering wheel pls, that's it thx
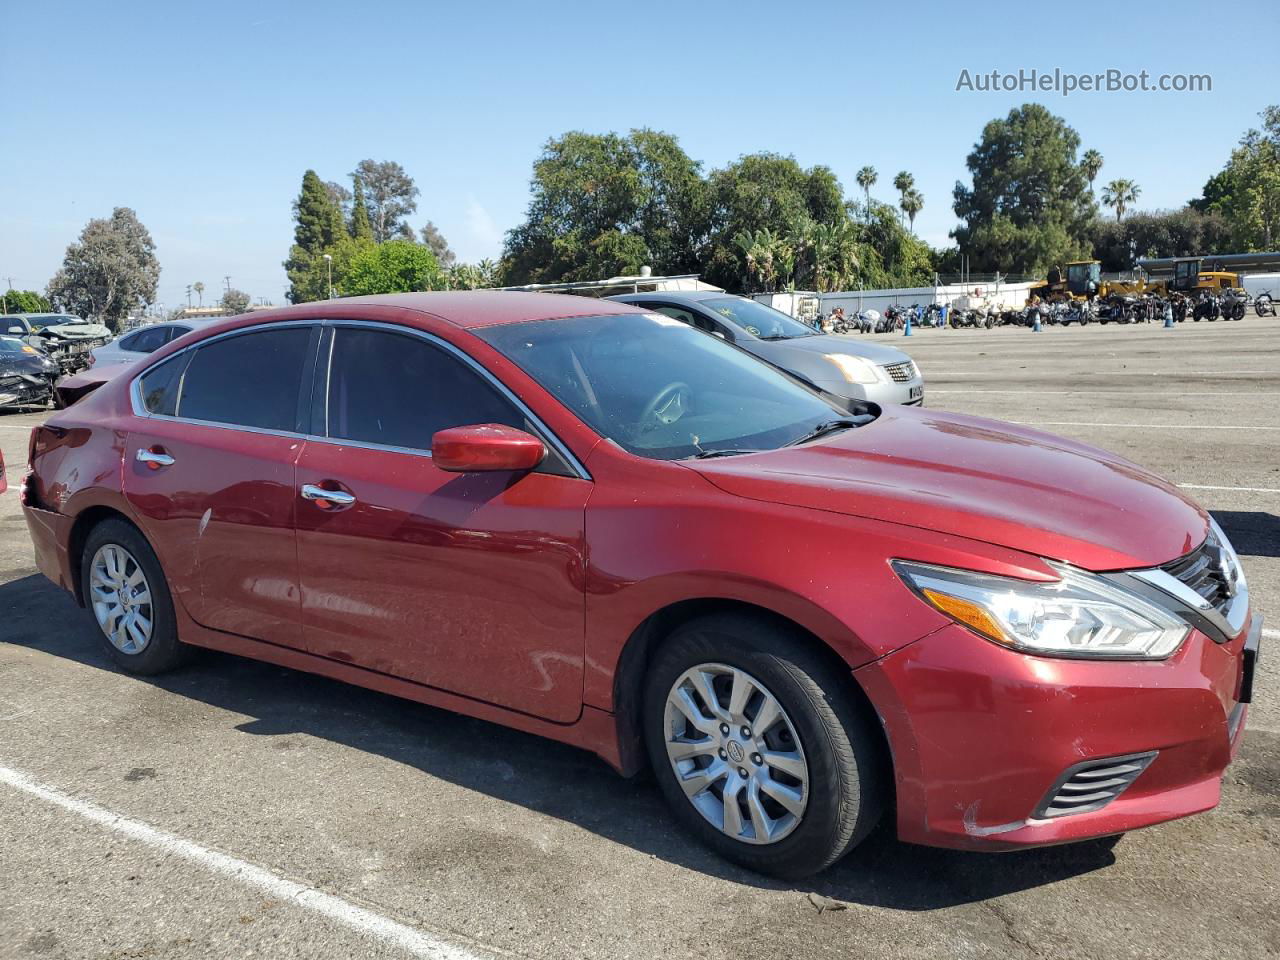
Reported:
(667, 406)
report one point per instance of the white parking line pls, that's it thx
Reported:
(1141, 426)
(1033, 391)
(1201, 486)
(1271, 634)
(363, 921)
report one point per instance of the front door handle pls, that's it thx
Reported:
(155, 458)
(336, 497)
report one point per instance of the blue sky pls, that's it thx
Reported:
(203, 117)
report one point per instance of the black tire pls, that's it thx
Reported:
(163, 651)
(849, 777)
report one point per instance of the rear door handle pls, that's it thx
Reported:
(154, 458)
(336, 497)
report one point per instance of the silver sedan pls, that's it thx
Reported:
(841, 366)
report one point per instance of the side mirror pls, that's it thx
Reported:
(16, 329)
(486, 447)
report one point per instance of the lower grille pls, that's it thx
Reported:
(901, 372)
(1093, 784)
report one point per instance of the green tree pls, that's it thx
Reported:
(25, 301)
(235, 301)
(110, 272)
(317, 227)
(1091, 166)
(904, 183)
(390, 195)
(397, 266)
(763, 191)
(1168, 233)
(1029, 205)
(867, 178)
(359, 227)
(1120, 194)
(1247, 191)
(473, 276)
(435, 240)
(606, 204)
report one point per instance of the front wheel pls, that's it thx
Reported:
(761, 748)
(125, 590)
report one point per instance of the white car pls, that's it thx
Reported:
(138, 343)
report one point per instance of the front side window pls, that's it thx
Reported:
(398, 390)
(659, 388)
(249, 380)
(146, 341)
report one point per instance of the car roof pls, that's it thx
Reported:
(469, 309)
(677, 296)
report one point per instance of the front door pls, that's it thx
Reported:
(470, 583)
(210, 471)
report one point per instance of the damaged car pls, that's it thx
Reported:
(27, 375)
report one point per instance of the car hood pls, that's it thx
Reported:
(877, 353)
(75, 331)
(28, 364)
(982, 480)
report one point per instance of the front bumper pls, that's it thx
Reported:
(910, 392)
(981, 734)
(20, 390)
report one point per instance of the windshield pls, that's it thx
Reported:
(659, 388)
(13, 345)
(759, 320)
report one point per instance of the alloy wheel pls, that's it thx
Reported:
(735, 753)
(121, 598)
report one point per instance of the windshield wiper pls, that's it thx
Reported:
(822, 429)
(708, 454)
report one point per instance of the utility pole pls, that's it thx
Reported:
(227, 282)
(188, 296)
(5, 296)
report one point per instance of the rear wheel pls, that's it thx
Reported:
(761, 748)
(125, 590)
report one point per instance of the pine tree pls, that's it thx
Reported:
(319, 227)
(319, 221)
(360, 227)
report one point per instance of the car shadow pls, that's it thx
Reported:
(1252, 532)
(526, 770)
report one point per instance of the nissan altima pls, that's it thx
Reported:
(600, 525)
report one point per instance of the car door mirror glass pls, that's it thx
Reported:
(16, 329)
(486, 447)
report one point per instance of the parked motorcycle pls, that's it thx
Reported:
(1264, 305)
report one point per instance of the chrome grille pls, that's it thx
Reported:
(901, 372)
(1204, 572)
(1093, 784)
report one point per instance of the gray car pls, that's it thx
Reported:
(852, 369)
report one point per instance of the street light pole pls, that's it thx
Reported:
(328, 265)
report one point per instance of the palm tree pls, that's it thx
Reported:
(1091, 166)
(903, 182)
(198, 287)
(912, 203)
(867, 178)
(1120, 194)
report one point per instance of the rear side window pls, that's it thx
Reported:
(146, 341)
(398, 390)
(160, 386)
(249, 380)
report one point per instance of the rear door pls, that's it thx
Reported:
(471, 583)
(210, 471)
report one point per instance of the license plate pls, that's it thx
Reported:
(917, 393)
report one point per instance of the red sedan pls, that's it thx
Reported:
(606, 527)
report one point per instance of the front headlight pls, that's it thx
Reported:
(1080, 615)
(854, 369)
